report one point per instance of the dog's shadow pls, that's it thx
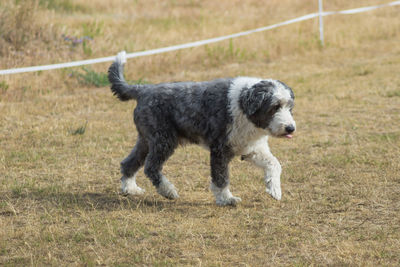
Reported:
(108, 201)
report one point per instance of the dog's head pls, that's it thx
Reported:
(268, 105)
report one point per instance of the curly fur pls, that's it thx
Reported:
(231, 116)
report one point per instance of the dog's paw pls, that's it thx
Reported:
(129, 187)
(275, 192)
(223, 196)
(167, 189)
(232, 201)
(273, 187)
(133, 191)
(169, 193)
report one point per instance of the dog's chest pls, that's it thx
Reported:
(243, 133)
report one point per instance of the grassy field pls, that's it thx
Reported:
(63, 134)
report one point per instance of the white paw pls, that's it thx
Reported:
(223, 196)
(167, 189)
(274, 191)
(129, 186)
(133, 191)
(232, 201)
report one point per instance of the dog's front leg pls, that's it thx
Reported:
(273, 177)
(261, 156)
(220, 178)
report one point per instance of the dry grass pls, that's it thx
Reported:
(62, 140)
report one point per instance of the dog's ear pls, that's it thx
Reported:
(251, 99)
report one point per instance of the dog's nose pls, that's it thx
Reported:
(289, 129)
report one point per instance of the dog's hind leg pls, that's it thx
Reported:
(160, 149)
(260, 155)
(220, 159)
(130, 165)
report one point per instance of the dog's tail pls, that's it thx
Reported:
(119, 86)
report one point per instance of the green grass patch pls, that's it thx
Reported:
(394, 93)
(80, 130)
(89, 77)
(3, 86)
(93, 29)
(67, 6)
(219, 53)
(384, 137)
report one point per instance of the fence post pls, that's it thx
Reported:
(321, 23)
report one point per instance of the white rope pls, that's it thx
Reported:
(192, 44)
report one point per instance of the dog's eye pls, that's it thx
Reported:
(276, 107)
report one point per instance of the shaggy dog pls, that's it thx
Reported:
(232, 116)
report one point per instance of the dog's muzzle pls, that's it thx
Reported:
(289, 130)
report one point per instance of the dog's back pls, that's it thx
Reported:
(197, 111)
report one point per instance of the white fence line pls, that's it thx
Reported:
(193, 44)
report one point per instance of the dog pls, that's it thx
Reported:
(230, 117)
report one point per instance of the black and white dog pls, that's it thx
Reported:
(232, 116)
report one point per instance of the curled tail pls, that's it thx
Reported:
(119, 86)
